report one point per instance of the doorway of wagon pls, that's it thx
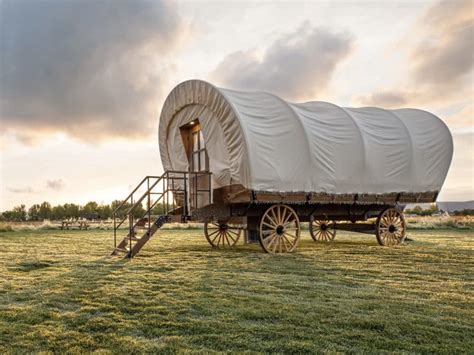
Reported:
(198, 161)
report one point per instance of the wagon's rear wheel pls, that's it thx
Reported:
(391, 227)
(221, 235)
(322, 230)
(279, 229)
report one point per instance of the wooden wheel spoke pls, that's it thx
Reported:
(285, 242)
(268, 225)
(219, 236)
(272, 242)
(287, 219)
(325, 236)
(268, 240)
(228, 238)
(233, 232)
(231, 237)
(212, 241)
(292, 235)
(289, 242)
(216, 231)
(273, 217)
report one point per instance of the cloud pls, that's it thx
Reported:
(296, 66)
(463, 118)
(56, 185)
(441, 60)
(445, 56)
(21, 190)
(91, 69)
(384, 98)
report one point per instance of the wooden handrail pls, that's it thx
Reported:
(140, 200)
(159, 178)
(135, 189)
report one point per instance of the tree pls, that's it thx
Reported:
(45, 210)
(71, 210)
(90, 207)
(122, 210)
(158, 209)
(58, 212)
(105, 211)
(18, 213)
(34, 212)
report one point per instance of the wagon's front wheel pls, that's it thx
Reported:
(391, 227)
(221, 235)
(322, 230)
(279, 229)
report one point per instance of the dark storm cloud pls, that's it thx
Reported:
(88, 68)
(297, 65)
(442, 61)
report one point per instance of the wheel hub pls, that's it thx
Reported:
(280, 229)
(392, 228)
(223, 227)
(324, 227)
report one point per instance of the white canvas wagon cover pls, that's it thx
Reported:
(268, 144)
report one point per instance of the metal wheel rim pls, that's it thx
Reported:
(391, 227)
(279, 229)
(320, 234)
(221, 235)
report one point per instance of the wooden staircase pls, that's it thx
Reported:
(167, 194)
(131, 245)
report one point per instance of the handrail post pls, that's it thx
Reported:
(149, 208)
(115, 232)
(185, 196)
(131, 232)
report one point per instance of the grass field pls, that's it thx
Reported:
(60, 292)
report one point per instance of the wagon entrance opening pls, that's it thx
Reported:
(198, 161)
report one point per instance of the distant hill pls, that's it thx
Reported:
(456, 206)
(448, 206)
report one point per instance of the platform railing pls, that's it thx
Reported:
(172, 190)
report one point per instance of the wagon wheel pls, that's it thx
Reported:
(391, 227)
(221, 235)
(322, 230)
(279, 230)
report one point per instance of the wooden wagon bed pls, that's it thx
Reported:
(239, 194)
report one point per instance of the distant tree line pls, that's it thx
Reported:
(417, 210)
(91, 210)
(466, 212)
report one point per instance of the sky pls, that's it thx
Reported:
(82, 83)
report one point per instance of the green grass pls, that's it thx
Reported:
(61, 292)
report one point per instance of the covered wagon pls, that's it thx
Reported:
(253, 164)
